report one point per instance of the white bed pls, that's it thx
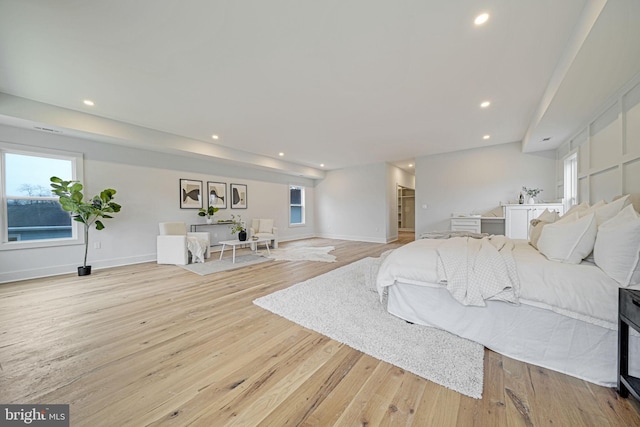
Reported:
(564, 317)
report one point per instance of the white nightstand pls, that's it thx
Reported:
(467, 223)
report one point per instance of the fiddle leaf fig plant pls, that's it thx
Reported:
(88, 212)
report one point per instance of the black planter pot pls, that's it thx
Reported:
(242, 236)
(84, 271)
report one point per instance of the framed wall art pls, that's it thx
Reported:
(217, 194)
(238, 196)
(190, 194)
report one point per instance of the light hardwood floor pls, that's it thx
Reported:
(156, 345)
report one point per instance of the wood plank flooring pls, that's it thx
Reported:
(156, 345)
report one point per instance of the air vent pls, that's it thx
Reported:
(546, 139)
(47, 129)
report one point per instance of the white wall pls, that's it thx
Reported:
(147, 185)
(352, 204)
(478, 180)
(608, 148)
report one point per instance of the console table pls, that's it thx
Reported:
(628, 316)
(215, 239)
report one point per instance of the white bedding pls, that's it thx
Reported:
(477, 270)
(581, 291)
(566, 319)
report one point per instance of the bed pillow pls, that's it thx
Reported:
(577, 208)
(568, 241)
(617, 247)
(535, 232)
(592, 208)
(546, 217)
(606, 211)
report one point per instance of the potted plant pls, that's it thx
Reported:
(208, 213)
(88, 212)
(532, 193)
(238, 227)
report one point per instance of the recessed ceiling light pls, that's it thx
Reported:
(281, 154)
(485, 104)
(88, 102)
(410, 165)
(215, 137)
(321, 165)
(481, 19)
(486, 137)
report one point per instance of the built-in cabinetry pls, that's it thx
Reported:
(406, 208)
(517, 218)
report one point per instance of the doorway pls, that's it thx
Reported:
(406, 209)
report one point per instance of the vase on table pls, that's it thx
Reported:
(531, 201)
(242, 236)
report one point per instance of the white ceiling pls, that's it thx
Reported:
(336, 82)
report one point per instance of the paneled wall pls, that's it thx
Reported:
(608, 148)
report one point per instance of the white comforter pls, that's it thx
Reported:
(473, 270)
(581, 291)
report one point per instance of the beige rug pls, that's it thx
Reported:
(341, 305)
(215, 265)
(302, 253)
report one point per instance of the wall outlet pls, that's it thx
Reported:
(97, 245)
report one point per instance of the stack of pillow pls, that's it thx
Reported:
(607, 234)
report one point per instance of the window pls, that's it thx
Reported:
(296, 205)
(32, 216)
(570, 181)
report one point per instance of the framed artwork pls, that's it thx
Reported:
(190, 194)
(217, 194)
(238, 196)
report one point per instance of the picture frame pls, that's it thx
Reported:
(217, 194)
(238, 193)
(190, 194)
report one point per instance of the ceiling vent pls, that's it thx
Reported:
(47, 129)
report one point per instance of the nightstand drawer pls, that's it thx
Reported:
(630, 306)
(465, 224)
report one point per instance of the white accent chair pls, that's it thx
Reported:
(175, 244)
(264, 229)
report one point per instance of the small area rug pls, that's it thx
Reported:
(215, 265)
(303, 253)
(341, 305)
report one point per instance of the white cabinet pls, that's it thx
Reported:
(518, 217)
(466, 224)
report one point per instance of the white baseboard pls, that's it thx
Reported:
(56, 270)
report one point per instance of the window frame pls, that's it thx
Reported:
(570, 180)
(301, 205)
(77, 237)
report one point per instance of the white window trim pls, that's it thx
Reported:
(77, 170)
(304, 214)
(567, 193)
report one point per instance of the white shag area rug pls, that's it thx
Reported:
(345, 306)
(302, 253)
